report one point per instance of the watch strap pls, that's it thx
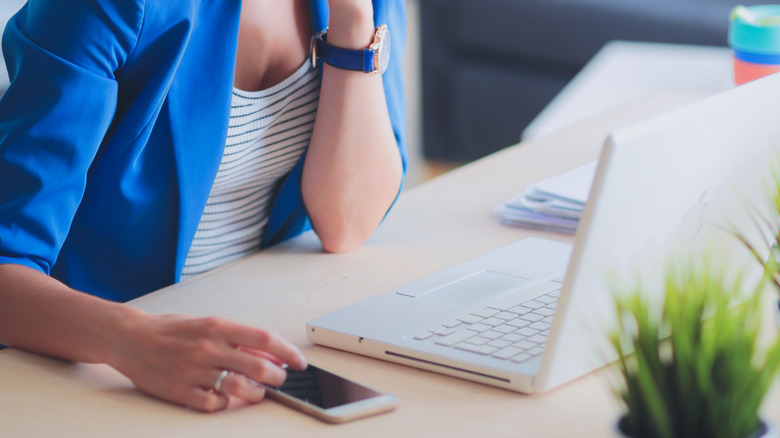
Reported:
(344, 58)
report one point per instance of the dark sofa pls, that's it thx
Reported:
(490, 66)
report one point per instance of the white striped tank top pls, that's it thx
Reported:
(268, 132)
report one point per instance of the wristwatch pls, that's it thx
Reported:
(373, 59)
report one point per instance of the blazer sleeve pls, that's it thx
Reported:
(393, 13)
(61, 58)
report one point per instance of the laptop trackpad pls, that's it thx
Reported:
(480, 285)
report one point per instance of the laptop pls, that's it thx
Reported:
(535, 314)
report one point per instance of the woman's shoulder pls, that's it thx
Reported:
(91, 34)
(99, 34)
(97, 17)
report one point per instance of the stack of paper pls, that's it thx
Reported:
(553, 204)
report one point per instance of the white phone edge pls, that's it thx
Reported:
(340, 414)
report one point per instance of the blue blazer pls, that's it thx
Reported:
(112, 131)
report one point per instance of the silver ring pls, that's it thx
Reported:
(220, 379)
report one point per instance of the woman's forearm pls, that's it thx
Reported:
(42, 315)
(172, 357)
(353, 168)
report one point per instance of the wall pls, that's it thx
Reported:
(7, 9)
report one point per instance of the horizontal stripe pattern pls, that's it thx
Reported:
(269, 131)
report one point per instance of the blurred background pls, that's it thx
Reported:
(489, 67)
(480, 72)
(7, 8)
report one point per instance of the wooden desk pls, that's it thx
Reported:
(433, 226)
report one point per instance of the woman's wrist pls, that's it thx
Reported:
(122, 324)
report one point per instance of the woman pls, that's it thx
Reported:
(129, 125)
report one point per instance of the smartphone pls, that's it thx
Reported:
(330, 397)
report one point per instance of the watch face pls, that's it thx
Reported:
(382, 53)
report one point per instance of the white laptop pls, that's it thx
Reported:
(533, 315)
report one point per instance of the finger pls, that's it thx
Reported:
(241, 387)
(206, 400)
(266, 341)
(263, 354)
(256, 368)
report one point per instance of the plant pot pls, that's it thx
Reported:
(765, 429)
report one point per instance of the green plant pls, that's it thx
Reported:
(697, 367)
(768, 221)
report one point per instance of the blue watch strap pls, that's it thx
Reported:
(359, 60)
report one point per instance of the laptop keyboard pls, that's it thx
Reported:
(505, 330)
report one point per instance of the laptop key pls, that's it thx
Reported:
(545, 311)
(477, 340)
(520, 310)
(513, 337)
(492, 334)
(541, 325)
(422, 335)
(479, 328)
(506, 316)
(539, 339)
(493, 322)
(442, 331)
(484, 350)
(532, 317)
(527, 331)
(522, 357)
(505, 329)
(506, 353)
(526, 345)
(451, 324)
(518, 323)
(469, 319)
(454, 338)
(485, 313)
(533, 304)
(499, 343)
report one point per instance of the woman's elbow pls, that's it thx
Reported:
(342, 239)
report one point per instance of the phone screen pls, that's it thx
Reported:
(321, 388)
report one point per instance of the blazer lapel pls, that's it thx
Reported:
(199, 112)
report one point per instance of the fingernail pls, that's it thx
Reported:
(302, 362)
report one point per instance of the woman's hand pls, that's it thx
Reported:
(172, 357)
(180, 359)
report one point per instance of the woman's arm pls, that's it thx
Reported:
(53, 118)
(171, 357)
(353, 168)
